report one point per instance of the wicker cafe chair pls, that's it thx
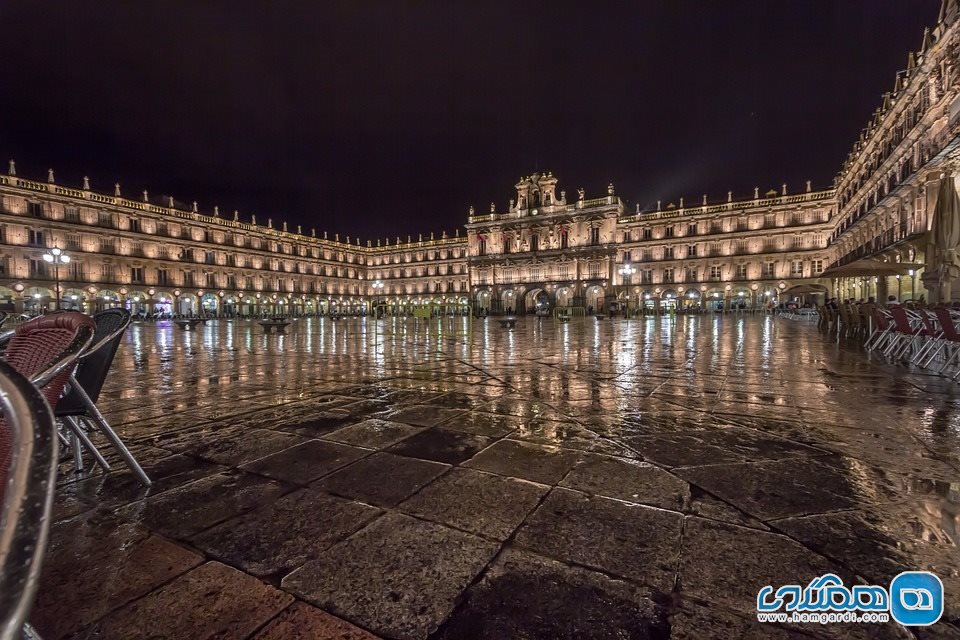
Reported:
(79, 404)
(46, 349)
(28, 473)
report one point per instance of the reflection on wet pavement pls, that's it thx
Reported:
(405, 479)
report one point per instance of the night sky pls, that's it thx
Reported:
(392, 118)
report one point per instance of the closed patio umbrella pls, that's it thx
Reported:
(945, 239)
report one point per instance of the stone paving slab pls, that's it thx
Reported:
(283, 535)
(300, 621)
(636, 542)
(543, 464)
(96, 564)
(480, 503)
(441, 445)
(628, 480)
(191, 508)
(307, 461)
(768, 490)
(374, 433)
(398, 577)
(382, 479)
(212, 601)
(523, 595)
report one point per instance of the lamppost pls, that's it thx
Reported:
(626, 271)
(57, 257)
(377, 287)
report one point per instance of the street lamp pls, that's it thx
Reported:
(626, 271)
(377, 287)
(57, 257)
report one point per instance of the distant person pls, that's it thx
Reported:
(892, 301)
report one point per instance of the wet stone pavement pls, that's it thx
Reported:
(590, 479)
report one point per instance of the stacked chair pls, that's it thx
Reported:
(927, 338)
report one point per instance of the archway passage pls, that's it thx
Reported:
(509, 301)
(594, 299)
(483, 302)
(536, 301)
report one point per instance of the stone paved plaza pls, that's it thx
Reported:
(429, 479)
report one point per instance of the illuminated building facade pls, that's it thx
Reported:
(543, 251)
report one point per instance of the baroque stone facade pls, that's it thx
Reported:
(543, 251)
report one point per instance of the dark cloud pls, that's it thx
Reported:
(389, 118)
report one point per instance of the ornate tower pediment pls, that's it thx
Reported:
(536, 191)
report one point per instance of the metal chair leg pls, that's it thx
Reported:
(77, 452)
(77, 431)
(101, 423)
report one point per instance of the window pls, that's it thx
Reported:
(163, 277)
(507, 241)
(669, 232)
(668, 275)
(38, 268)
(817, 266)
(135, 225)
(692, 229)
(534, 242)
(136, 275)
(668, 253)
(647, 233)
(73, 242)
(770, 270)
(627, 236)
(35, 238)
(482, 247)
(209, 257)
(104, 219)
(71, 214)
(34, 209)
(690, 275)
(211, 280)
(796, 268)
(741, 272)
(627, 256)
(646, 276)
(715, 273)
(563, 239)
(594, 235)
(692, 251)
